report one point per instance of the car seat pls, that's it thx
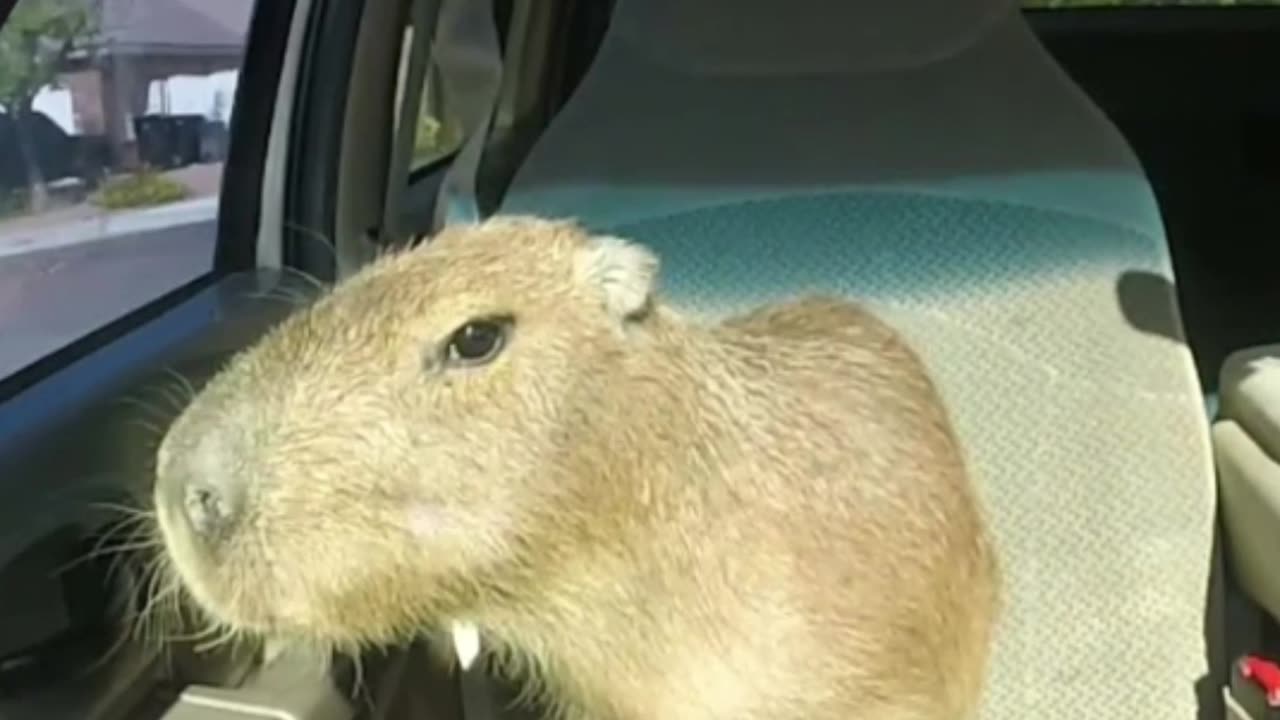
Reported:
(929, 158)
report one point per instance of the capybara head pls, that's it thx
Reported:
(388, 454)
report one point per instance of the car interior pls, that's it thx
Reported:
(1067, 210)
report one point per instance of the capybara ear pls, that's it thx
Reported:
(623, 271)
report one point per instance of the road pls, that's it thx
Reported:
(63, 277)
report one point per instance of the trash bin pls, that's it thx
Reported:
(168, 141)
(214, 139)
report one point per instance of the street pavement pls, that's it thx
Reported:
(64, 276)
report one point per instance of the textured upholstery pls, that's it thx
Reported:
(929, 158)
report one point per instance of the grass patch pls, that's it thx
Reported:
(13, 203)
(141, 189)
(433, 140)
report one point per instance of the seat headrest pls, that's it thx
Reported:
(784, 37)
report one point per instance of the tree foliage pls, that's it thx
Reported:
(35, 43)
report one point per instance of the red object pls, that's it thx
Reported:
(1265, 674)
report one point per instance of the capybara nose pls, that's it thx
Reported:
(211, 507)
(201, 492)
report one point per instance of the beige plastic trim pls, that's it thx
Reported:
(1249, 493)
(1250, 382)
(270, 241)
(1234, 710)
(291, 688)
(1246, 446)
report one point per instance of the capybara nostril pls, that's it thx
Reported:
(211, 507)
(200, 488)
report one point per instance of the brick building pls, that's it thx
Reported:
(141, 41)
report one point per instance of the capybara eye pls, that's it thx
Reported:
(479, 341)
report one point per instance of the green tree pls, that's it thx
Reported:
(35, 43)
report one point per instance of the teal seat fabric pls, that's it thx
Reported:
(931, 160)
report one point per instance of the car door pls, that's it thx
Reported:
(116, 303)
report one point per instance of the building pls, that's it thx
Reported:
(141, 41)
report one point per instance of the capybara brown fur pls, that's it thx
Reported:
(647, 517)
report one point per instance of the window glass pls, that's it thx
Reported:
(1144, 3)
(437, 133)
(113, 132)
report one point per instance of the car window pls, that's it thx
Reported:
(113, 132)
(437, 133)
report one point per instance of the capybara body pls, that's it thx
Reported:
(650, 518)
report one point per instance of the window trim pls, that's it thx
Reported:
(52, 363)
(316, 134)
(412, 71)
(427, 170)
(245, 171)
(32, 409)
(35, 471)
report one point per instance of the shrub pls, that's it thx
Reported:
(12, 203)
(432, 140)
(141, 189)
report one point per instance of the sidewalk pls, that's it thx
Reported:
(77, 225)
(85, 222)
